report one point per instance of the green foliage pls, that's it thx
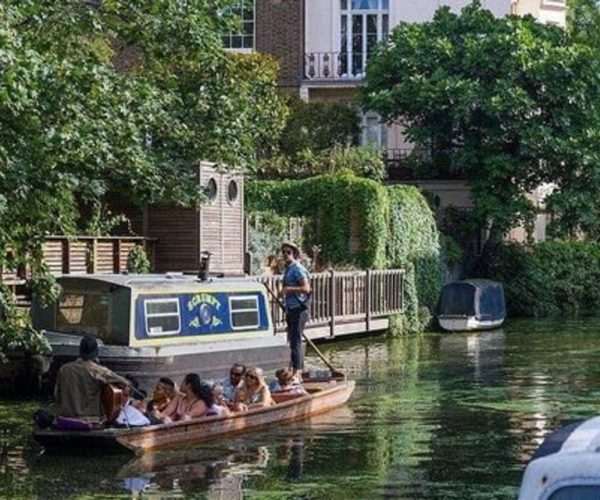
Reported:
(333, 203)
(137, 260)
(121, 97)
(452, 252)
(413, 239)
(317, 126)
(362, 223)
(266, 233)
(507, 103)
(16, 333)
(554, 277)
(364, 161)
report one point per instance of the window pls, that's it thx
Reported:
(232, 192)
(242, 39)
(374, 132)
(85, 313)
(162, 317)
(244, 312)
(211, 189)
(364, 23)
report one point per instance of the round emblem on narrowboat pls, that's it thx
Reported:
(205, 314)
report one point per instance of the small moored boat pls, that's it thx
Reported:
(322, 397)
(566, 466)
(471, 305)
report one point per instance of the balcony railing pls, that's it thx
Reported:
(330, 66)
(421, 163)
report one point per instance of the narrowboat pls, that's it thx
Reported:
(322, 397)
(471, 305)
(163, 325)
(566, 466)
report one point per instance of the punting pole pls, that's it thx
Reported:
(307, 338)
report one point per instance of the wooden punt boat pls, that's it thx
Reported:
(322, 397)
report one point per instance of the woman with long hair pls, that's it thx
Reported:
(254, 391)
(194, 401)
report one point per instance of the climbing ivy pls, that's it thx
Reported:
(361, 222)
(334, 204)
(414, 238)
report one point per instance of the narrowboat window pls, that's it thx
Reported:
(84, 313)
(244, 312)
(211, 189)
(162, 316)
(232, 192)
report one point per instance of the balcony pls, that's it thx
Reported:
(334, 67)
(422, 163)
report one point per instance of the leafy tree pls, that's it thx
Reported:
(318, 126)
(116, 96)
(365, 161)
(508, 103)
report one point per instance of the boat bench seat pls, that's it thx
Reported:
(284, 396)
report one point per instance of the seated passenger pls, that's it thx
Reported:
(79, 384)
(133, 412)
(163, 394)
(193, 402)
(254, 392)
(233, 382)
(287, 385)
(220, 405)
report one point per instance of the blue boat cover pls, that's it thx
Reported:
(483, 299)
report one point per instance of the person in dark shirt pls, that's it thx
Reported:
(79, 384)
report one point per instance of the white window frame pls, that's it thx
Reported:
(349, 13)
(382, 132)
(243, 50)
(161, 315)
(255, 309)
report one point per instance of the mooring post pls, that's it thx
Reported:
(332, 308)
(368, 300)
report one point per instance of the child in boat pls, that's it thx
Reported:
(254, 392)
(220, 405)
(286, 384)
(193, 402)
(132, 414)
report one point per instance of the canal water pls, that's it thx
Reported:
(433, 416)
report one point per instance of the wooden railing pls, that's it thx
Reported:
(343, 297)
(79, 255)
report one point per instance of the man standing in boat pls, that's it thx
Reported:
(79, 383)
(296, 290)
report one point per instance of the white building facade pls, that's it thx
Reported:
(341, 34)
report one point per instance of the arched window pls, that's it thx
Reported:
(232, 192)
(211, 189)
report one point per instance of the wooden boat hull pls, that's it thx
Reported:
(468, 323)
(176, 434)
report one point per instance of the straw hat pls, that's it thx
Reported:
(294, 248)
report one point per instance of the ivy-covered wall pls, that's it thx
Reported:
(331, 203)
(393, 226)
(413, 243)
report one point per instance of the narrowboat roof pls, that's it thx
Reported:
(171, 281)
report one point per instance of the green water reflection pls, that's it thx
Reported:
(435, 416)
